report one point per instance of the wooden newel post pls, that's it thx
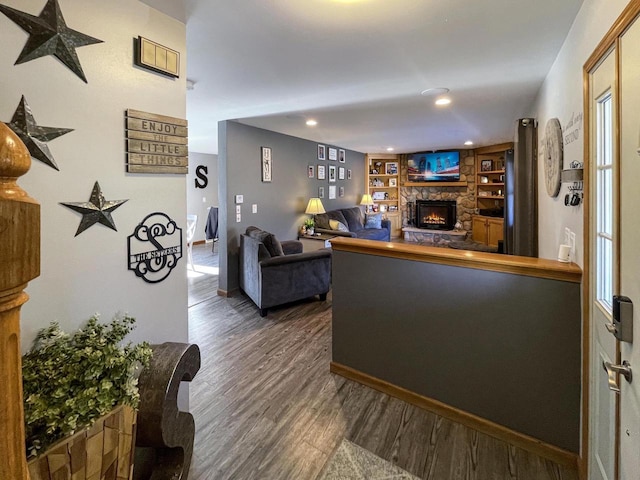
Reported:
(19, 263)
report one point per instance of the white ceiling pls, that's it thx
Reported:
(358, 67)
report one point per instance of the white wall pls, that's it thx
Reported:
(88, 273)
(561, 97)
(199, 199)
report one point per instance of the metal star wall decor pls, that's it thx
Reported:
(33, 135)
(49, 35)
(96, 210)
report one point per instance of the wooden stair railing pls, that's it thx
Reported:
(19, 263)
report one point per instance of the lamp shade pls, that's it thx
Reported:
(366, 199)
(314, 206)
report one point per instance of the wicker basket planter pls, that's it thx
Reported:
(103, 451)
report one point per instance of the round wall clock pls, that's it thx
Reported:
(553, 156)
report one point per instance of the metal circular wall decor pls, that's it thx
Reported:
(553, 156)
(154, 247)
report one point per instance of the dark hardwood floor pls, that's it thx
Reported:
(266, 406)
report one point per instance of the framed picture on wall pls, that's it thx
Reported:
(342, 156)
(332, 192)
(349, 174)
(332, 173)
(266, 164)
(320, 192)
(321, 172)
(333, 153)
(311, 171)
(321, 152)
(341, 173)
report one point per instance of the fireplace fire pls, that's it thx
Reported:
(435, 218)
(436, 214)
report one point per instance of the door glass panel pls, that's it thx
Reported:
(604, 206)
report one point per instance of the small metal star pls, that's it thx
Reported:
(49, 35)
(96, 210)
(34, 136)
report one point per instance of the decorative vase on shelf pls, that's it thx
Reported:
(310, 231)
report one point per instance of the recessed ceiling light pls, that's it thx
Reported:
(390, 149)
(312, 123)
(468, 142)
(434, 92)
(443, 101)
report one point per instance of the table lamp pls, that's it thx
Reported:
(367, 201)
(314, 206)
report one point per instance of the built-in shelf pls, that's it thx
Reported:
(435, 184)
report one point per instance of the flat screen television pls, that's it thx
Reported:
(434, 167)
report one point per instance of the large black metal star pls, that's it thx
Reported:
(49, 35)
(96, 210)
(33, 135)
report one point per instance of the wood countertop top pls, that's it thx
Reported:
(527, 266)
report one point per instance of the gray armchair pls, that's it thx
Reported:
(274, 273)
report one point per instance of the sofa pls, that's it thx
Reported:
(273, 273)
(349, 222)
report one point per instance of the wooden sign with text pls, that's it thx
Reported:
(156, 143)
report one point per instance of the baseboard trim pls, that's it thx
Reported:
(227, 294)
(470, 420)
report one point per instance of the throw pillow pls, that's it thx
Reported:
(339, 226)
(269, 240)
(373, 220)
(337, 215)
(274, 247)
(353, 217)
(322, 221)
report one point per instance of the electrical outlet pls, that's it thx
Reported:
(238, 218)
(573, 246)
(238, 209)
(254, 208)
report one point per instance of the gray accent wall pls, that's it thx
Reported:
(281, 203)
(501, 346)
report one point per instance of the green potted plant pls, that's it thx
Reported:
(309, 225)
(71, 381)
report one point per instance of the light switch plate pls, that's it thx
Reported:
(254, 208)
(239, 198)
(238, 218)
(238, 209)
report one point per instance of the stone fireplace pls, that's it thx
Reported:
(435, 214)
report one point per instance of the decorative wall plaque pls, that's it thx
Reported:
(266, 164)
(49, 35)
(553, 157)
(153, 56)
(154, 247)
(156, 143)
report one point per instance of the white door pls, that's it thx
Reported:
(602, 267)
(629, 246)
